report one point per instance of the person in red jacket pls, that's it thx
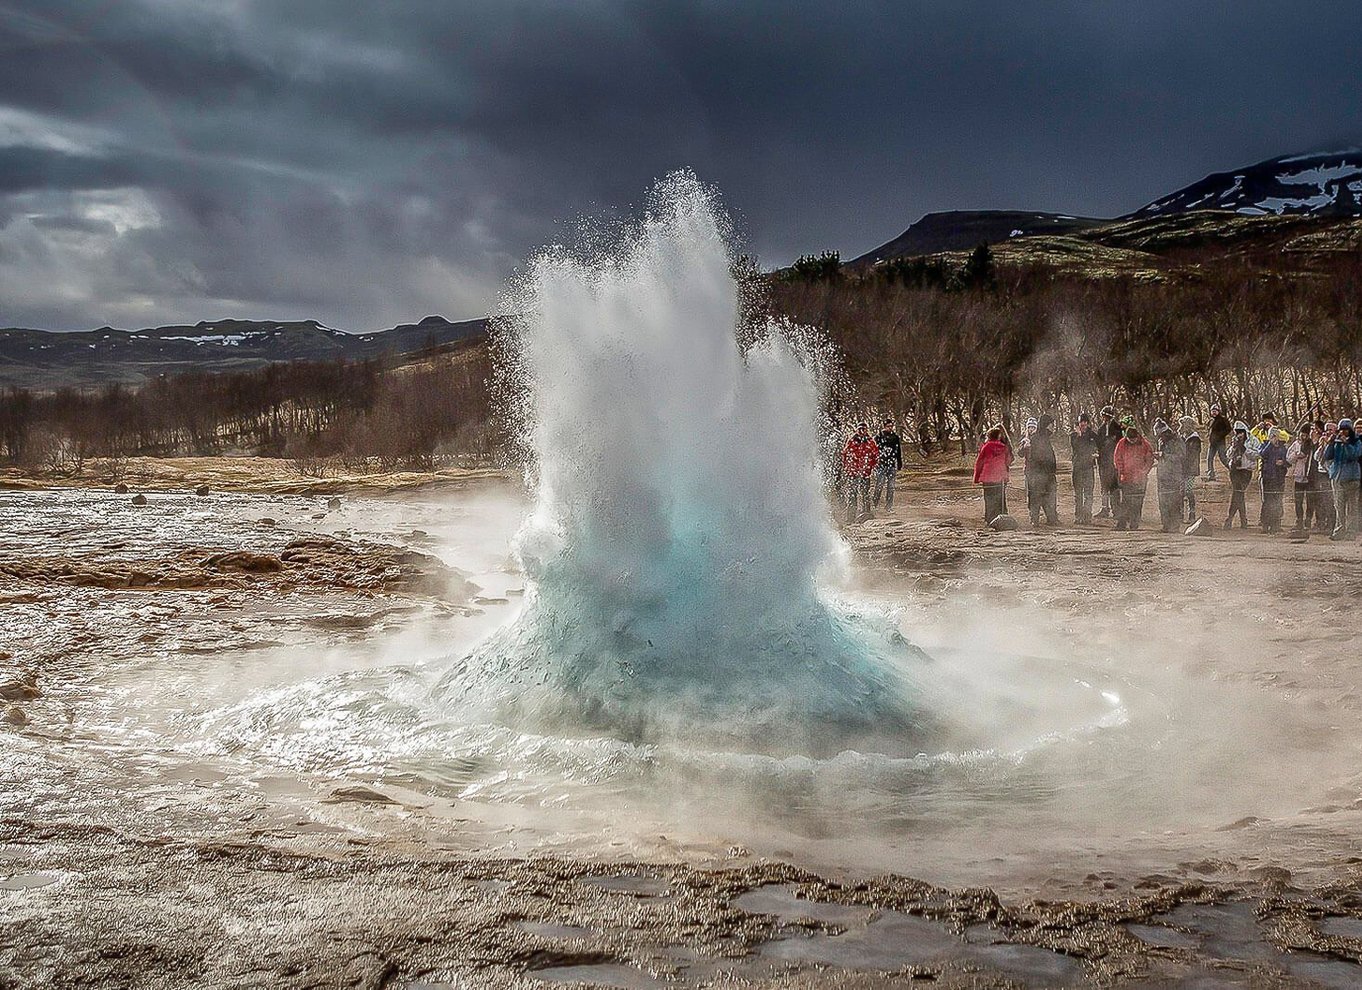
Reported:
(1134, 459)
(859, 457)
(990, 470)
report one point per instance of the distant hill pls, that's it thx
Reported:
(1326, 185)
(1185, 246)
(959, 230)
(1322, 184)
(46, 360)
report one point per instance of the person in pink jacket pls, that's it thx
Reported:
(991, 470)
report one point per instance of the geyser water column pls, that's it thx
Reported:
(679, 529)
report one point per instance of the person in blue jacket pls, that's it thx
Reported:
(1342, 456)
(1273, 467)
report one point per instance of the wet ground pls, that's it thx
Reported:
(220, 766)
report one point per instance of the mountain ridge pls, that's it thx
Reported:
(1323, 183)
(90, 358)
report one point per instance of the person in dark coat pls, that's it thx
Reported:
(1042, 470)
(1192, 467)
(889, 464)
(1274, 468)
(1218, 440)
(1325, 516)
(1242, 459)
(1172, 459)
(1109, 434)
(1085, 447)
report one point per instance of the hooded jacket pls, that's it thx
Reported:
(1134, 460)
(1172, 460)
(860, 456)
(1040, 450)
(1342, 457)
(1243, 453)
(1191, 465)
(990, 467)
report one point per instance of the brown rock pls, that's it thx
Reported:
(120, 489)
(14, 715)
(201, 491)
(23, 687)
(244, 560)
(359, 794)
(1202, 527)
(139, 500)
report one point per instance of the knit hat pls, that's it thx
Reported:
(1160, 427)
(1240, 427)
(1031, 422)
(1187, 423)
(1269, 417)
(1345, 424)
(1215, 407)
(1127, 420)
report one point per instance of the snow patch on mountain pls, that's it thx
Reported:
(1321, 183)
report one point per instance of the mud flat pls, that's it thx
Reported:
(226, 773)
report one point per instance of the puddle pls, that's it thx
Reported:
(1332, 974)
(893, 940)
(598, 974)
(781, 902)
(1167, 938)
(1227, 931)
(29, 881)
(1343, 927)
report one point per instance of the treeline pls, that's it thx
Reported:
(357, 415)
(950, 352)
(947, 349)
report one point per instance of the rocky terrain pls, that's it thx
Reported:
(131, 856)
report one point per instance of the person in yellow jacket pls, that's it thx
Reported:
(1265, 431)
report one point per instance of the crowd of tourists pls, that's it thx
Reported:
(1111, 461)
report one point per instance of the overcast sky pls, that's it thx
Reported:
(366, 162)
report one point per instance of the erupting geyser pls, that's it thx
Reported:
(673, 555)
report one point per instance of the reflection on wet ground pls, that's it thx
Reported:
(269, 741)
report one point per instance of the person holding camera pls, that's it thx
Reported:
(1342, 457)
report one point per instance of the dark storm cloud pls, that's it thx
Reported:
(364, 163)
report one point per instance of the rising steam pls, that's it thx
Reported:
(679, 529)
